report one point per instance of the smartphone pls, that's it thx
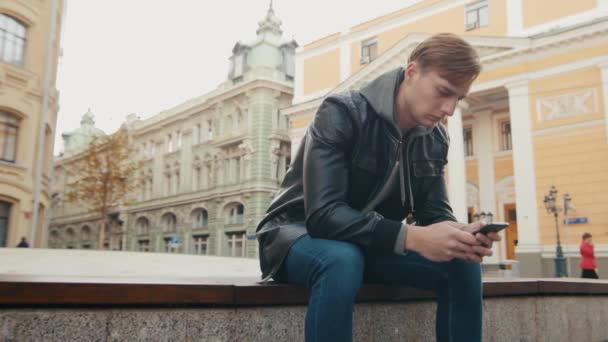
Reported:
(492, 227)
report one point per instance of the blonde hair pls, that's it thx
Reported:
(452, 57)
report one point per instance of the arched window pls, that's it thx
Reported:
(9, 129)
(54, 237)
(85, 233)
(169, 222)
(200, 218)
(70, 237)
(142, 225)
(12, 40)
(234, 213)
(5, 209)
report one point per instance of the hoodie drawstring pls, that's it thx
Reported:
(401, 185)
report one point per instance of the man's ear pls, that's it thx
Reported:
(410, 70)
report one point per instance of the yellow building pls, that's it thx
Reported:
(29, 52)
(536, 117)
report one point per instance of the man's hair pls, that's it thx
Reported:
(586, 236)
(450, 56)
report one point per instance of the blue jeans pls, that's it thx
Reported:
(333, 271)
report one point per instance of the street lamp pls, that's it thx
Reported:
(552, 208)
(487, 217)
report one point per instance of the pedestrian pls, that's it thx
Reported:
(588, 264)
(370, 158)
(23, 243)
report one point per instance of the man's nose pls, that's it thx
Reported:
(449, 106)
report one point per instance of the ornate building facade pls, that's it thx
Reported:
(29, 53)
(211, 165)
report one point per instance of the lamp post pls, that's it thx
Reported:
(552, 208)
(488, 217)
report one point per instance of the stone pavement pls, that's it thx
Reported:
(67, 263)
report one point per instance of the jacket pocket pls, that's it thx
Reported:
(428, 168)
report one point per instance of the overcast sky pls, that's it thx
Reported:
(142, 56)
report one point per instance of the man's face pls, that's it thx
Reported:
(430, 98)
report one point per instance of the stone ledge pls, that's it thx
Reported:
(239, 291)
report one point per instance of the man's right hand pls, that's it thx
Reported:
(444, 241)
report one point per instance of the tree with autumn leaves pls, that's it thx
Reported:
(106, 175)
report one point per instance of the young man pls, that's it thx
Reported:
(370, 158)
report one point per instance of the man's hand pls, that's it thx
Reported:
(485, 240)
(447, 240)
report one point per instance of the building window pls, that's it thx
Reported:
(209, 130)
(168, 184)
(476, 15)
(85, 233)
(467, 133)
(12, 40)
(200, 219)
(169, 222)
(234, 170)
(152, 147)
(86, 246)
(369, 50)
(236, 244)
(234, 214)
(143, 245)
(142, 225)
(505, 136)
(178, 139)
(5, 209)
(54, 238)
(9, 127)
(172, 244)
(70, 236)
(169, 143)
(200, 244)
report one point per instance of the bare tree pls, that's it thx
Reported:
(106, 175)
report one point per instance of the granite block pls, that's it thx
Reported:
(510, 319)
(210, 325)
(278, 323)
(53, 325)
(147, 325)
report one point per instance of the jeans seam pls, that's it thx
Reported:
(450, 313)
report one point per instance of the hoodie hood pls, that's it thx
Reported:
(380, 94)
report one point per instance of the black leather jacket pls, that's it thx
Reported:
(333, 187)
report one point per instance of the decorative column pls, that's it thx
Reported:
(483, 140)
(158, 180)
(456, 167)
(186, 162)
(528, 247)
(514, 18)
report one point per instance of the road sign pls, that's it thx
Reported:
(575, 220)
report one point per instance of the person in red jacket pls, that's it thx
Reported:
(588, 258)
